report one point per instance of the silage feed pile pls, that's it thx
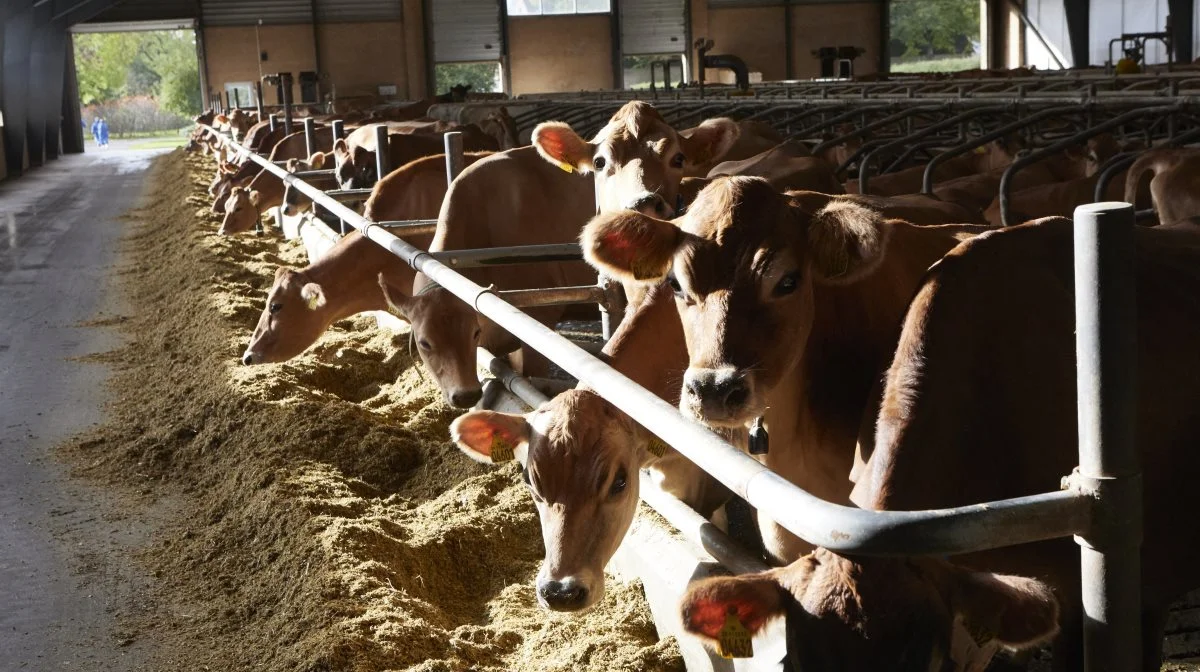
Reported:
(324, 520)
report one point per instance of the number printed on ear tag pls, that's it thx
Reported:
(656, 447)
(501, 451)
(734, 640)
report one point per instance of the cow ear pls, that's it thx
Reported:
(398, 302)
(631, 246)
(753, 598)
(709, 141)
(316, 161)
(221, 119)
(313, 295)
(846, 241)
(292, 165)
(492, 437)
(560, 145)
(281, 273)
(1018, 612)
(255, 197)
(340, 149)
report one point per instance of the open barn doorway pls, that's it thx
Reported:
(139, 83)
(934, 35)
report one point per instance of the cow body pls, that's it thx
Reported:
(1058, 199)
(407, 141)
(980, 405)
(1171, 179)
(788, 166)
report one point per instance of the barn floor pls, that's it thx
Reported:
(62, 541)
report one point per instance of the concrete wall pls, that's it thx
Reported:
(560, 53)
(233, 57)
(756, 34)
(856, 24)
(357, 58)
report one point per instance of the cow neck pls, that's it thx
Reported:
(349, 275)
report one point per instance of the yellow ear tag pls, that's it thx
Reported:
(980, 150)
(501, 450)
(733, 641)
(656, 447)
(313, 301)
(566, 166)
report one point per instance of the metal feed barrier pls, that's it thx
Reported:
(1100, 504)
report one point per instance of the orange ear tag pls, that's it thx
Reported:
(733, 641)
(501, 450)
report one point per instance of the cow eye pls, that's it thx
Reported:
(619, 483)
(675, 286)
(786, 285)
(424, 344)
(276, 307)
(599, 163)
(677, 160)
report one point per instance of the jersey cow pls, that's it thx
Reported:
(787, 166)
(788, 314)
(982, 394)
(1171, 179)
(303, 303)
(354, 155)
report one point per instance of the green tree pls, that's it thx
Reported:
(483, 77)
(930, 27)
(161, 64)
(102, 61)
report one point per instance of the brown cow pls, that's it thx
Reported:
(1053, 200)
(407, 141)
(293, 146)
(787, 166)
(304, 302)
(754, 138)
(650, 349)
(1168, 180)
(294, 200)
(245, 207)
(868, 614)
(788, 314)
(991, 156)
(980, 405)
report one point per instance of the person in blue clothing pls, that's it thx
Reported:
(102, 130)
(96, 130)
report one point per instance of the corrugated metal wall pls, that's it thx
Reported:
(1050, 17)
(248, 12)
(654, 27)
(466, 30)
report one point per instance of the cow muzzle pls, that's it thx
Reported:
(464, 398)
(720, 397)
(570, 594)
(651, 205)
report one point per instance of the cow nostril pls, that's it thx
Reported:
(737, 395)
(247, 359)
(563, 595)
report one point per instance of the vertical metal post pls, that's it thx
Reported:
(237, 99)
(226, 105)
(274, 120)
(310, 136)
(258, 101)
(381, 152)
(339, 128)
(454, 155)
(285, 82)
(1106, 348)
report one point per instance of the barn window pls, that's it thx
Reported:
(934, 35)
(549, 7)
(467, 45)
(241, 94)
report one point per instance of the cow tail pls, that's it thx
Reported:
(1137, 180)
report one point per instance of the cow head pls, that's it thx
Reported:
(241, 211)
(295, 202)
(580, 458)
(743, 263)
(500, 126)
(638, 160)
(902, 614)
(354, 166)
(446, 332)
(296, 314)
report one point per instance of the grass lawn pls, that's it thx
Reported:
(937, 64)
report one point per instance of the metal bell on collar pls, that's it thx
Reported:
(760, 442)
